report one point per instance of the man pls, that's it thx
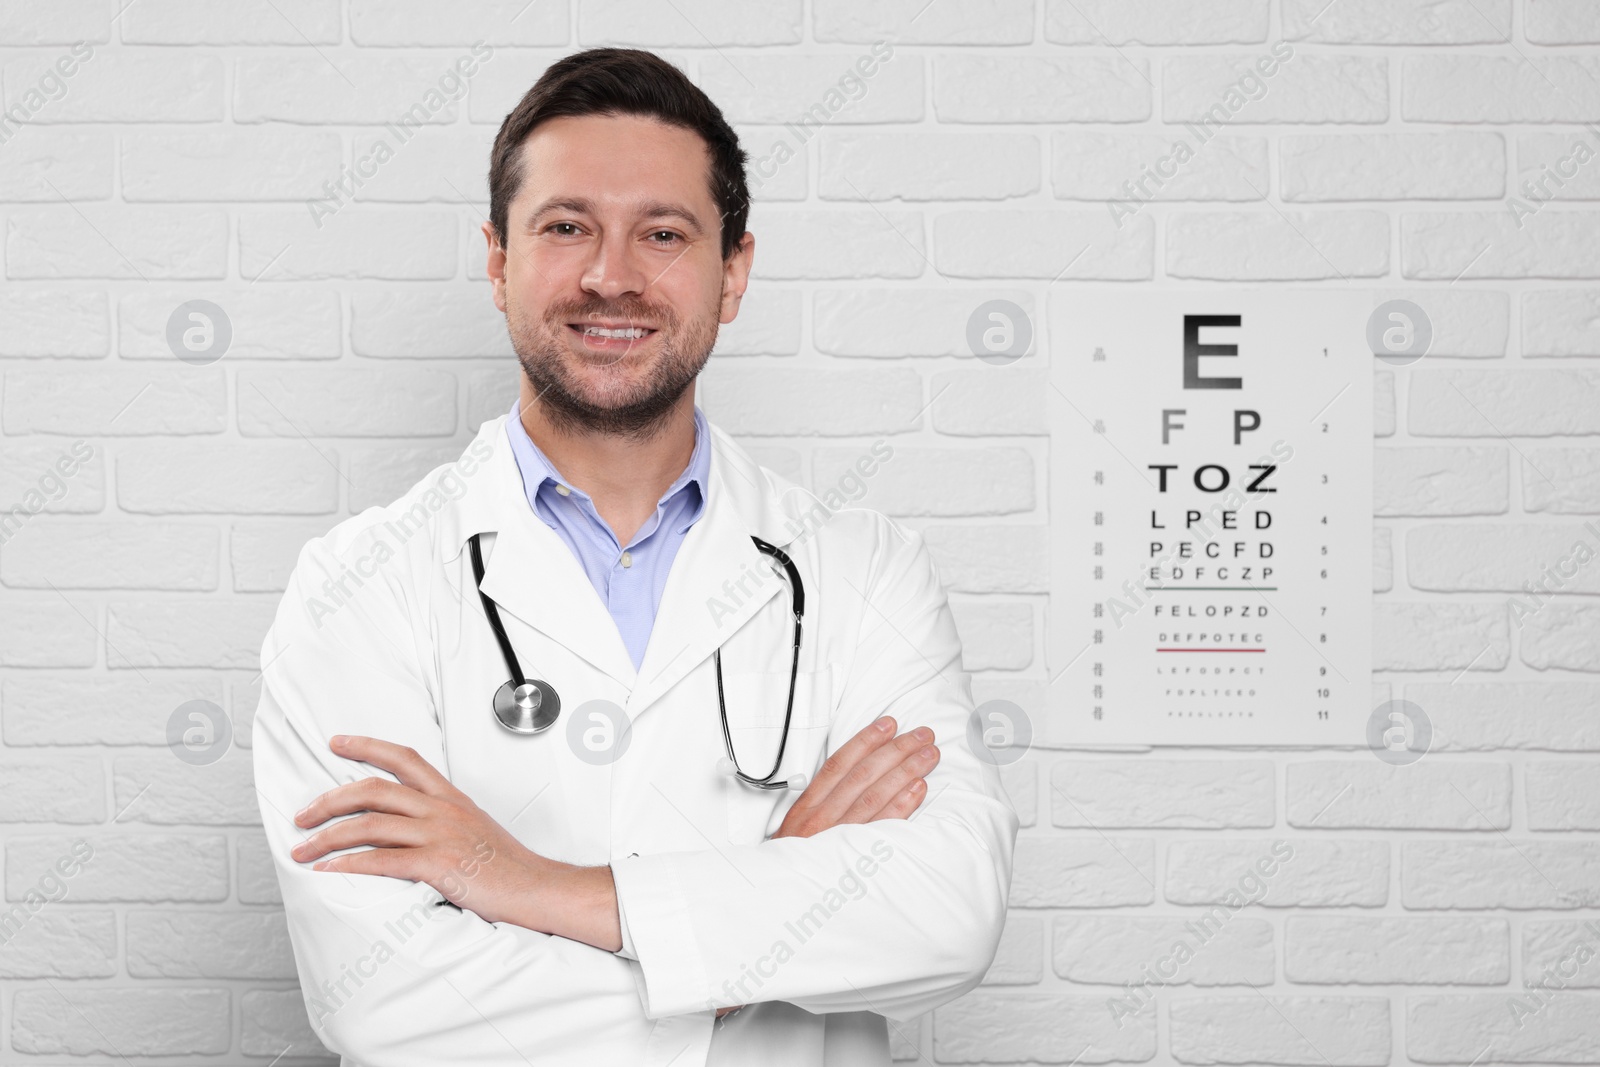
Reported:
(607, 894)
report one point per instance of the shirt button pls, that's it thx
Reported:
(563, 490)
(627, 559)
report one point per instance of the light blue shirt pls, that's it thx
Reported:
(629, 578)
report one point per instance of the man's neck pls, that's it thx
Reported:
(624, 476)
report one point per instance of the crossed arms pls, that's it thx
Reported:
(529, 951)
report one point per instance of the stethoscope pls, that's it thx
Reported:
(526, 705)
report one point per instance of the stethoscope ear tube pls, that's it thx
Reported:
(793, 573)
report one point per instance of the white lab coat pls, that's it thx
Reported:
(380, 632)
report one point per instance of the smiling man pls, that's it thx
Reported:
(677, 834)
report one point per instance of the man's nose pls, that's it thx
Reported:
(615, 268)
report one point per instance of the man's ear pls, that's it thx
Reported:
(736, 276)
(496, 267)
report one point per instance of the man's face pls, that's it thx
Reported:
(614, 231)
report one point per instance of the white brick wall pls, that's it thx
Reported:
(177, 159)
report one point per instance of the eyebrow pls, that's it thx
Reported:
(655, 209)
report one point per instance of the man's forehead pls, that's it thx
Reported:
(616, 175)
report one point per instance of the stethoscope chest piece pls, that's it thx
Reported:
(529, 708)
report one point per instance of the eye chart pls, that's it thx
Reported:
(1210, 516)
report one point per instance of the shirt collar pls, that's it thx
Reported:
(538, 472)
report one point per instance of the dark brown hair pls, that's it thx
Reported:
(622, 81)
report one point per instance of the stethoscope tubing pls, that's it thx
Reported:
(494, 614)
(797, 607)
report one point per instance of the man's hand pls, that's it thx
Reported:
(869, 778)
(873, 776)
(425, 830)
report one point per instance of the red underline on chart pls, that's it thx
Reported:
(1210, 650)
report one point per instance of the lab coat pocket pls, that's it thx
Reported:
(756, 703)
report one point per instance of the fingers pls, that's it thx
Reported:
(904, 803)
(367, 794)
(382, 831)
(869, 739)
(402, 762)
(887, 780)
(387, 862)
(805, 817)
(877, 778)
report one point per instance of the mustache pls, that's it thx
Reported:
(632, 311)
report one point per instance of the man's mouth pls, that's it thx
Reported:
(634, 332)
(610, 338)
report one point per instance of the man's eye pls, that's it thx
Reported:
(668, 234)
(558, 225)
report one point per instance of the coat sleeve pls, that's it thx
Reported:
(389, 972)
(897, 916)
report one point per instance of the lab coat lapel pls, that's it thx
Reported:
(702, 604)
(529, 572)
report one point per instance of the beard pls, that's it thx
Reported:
(624, 404)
